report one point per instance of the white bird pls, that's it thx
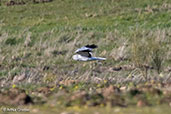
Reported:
(85, 54)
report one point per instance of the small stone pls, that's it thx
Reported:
(117, 110)
(170, 104)
(66, 113)
(35, 110)
(141, 103)
(123, 88)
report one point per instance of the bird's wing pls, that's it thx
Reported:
(85, 53)
(92, 46)
(87, 48)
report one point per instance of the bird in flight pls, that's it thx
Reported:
(85, 54)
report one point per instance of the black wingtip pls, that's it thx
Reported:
(91, 46)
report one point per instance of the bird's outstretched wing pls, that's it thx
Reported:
(85, 53)
(87, 48)
(91, 46)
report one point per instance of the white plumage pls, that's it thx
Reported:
(85, 54)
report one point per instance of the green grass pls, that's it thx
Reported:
(38, 30)
(108, 110)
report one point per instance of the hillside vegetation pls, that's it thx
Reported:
(38, 39)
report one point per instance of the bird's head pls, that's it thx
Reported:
(75, 57)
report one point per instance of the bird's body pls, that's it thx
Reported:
(85, 54)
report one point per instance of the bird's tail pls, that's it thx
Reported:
(98, 58)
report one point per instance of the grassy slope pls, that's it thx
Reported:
(86, 21)
(29, 34)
